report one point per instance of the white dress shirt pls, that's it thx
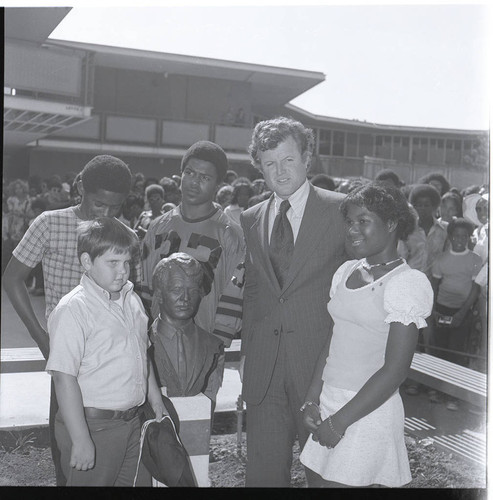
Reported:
(295, 214)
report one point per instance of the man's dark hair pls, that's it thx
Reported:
(268, 134)
(108, 173)
(207, 151)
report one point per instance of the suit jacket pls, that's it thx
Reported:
(300, 307)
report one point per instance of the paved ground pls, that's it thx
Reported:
(24, 398)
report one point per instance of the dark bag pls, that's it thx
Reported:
(162, 451)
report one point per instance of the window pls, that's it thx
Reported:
(338, 149)
(324, 145)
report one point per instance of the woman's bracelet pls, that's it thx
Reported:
(329, 418)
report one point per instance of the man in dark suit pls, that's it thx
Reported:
(288, 272)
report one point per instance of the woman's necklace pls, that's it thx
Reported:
(365, 269)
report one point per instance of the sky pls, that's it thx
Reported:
(420, 65)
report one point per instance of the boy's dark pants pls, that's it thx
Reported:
(117, 445)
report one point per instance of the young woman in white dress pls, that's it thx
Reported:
(377, 303)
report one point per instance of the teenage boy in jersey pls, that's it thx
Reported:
(52, 240)
(199, 228)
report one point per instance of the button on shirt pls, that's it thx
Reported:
(295, 214)
(102, 344)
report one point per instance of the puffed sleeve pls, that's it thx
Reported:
(408, 298)
(339, 274)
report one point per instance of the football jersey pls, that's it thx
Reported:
(218, 245)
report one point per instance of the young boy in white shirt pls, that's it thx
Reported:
(98, 360)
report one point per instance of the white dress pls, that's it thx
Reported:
(373, 450)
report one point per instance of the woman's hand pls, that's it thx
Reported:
(328, 435)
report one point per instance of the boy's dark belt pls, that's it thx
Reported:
(126, 415)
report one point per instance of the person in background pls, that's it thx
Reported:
(259, 186)
(476, 210)
(38, 206)
(56, 197)
(473, 188)
(242, 192)
(230, 176)
(427, 241)
(52, 240)
(154, 197)
(224, 196)
(437, 180)
(453, 275)
(377, 304)
(450, 208)
(138, 185)
(131, 209)
(389, 177)
(172, 192)
(295, 242)
(98, 361)
(323, 181)
(421, 248)
(18, 209)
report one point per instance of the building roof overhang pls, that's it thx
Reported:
(271, 86)
(370, 127)
(32, 24)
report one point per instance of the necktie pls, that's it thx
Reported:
(182, 362)
(281, 244)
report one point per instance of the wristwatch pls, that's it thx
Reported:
(308, 403)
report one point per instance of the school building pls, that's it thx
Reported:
(65, 102)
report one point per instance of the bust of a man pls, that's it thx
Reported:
(184, 355)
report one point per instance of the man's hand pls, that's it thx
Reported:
(311, 418)
(83, 454)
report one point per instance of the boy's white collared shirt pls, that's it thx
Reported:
(102, 344)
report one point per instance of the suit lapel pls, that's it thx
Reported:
(314, 225)
(261, 252)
